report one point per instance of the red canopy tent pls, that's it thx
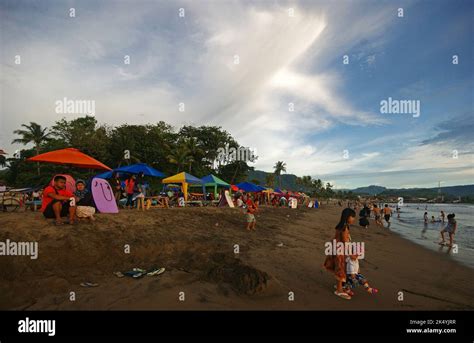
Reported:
(69, 156)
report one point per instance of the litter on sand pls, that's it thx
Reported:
(89, 284)
(138, 273)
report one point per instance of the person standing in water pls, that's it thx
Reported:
(450, 229)
(442, 216)
(425, 218)
(387, 213)
(336, 263)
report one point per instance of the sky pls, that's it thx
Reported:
(298, 81)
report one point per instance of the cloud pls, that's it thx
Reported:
(192, 60)
(457, 131)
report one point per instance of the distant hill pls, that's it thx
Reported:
(371, 190)
(289, 182)
(452, 191)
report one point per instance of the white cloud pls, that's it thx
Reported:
(282, 59)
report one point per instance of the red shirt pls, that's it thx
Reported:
(129, 186)
(47, 199)
(251, 208)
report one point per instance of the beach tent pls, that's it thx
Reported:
(249, 187)
(70, 182)
(278, 190)
(69, 156)
(184, 179)
(213, 181)
(268, 191)
(133, 169)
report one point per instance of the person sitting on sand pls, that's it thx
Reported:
(251, 209)
(56, 201)
(336, 263)
(84, 203)
(387, 213)
(450, 229)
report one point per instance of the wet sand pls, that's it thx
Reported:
(196, 246)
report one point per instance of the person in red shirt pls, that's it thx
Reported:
(57, 201)
(251, 209)
(130, 190)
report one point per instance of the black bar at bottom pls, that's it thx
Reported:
(422, 324)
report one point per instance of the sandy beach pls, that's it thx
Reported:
(196, 246)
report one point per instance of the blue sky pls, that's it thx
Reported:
(282, 59)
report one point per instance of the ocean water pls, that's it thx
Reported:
(411, 226)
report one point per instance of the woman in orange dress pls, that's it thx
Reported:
(336, 263)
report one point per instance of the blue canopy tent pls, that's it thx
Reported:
(249, 187)
(133, 169)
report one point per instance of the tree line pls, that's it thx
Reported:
(189, 148)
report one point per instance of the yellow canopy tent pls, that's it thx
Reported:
(267, 192)
(184, 179)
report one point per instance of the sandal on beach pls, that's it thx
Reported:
(346, 290)
(343, 295)
(89, 284)
(155, 272)
(372, 290)
(349, 292)
(119, 274)
(56, 223)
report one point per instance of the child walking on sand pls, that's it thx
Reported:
(354, 277)
(251, 209)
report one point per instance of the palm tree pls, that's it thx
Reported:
(269, 180)
(306, 181)
(194, 151)
(180, 156)
(317, 186)
(279, 167)
(35, 134)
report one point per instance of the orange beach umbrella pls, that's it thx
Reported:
(69, 156)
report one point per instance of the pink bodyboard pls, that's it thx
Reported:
(103, 196)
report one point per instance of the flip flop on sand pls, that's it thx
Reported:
(89, 284)
(155, 272)
(347, 290)
(343, 295)
(372, 290)
(119, 274)
(58, 223)
(133, 273)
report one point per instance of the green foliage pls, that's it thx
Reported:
(191, 149)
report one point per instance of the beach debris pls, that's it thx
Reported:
(89, 284)
(280, 245)
(138, 273)
(155, 272)
(217, 224)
